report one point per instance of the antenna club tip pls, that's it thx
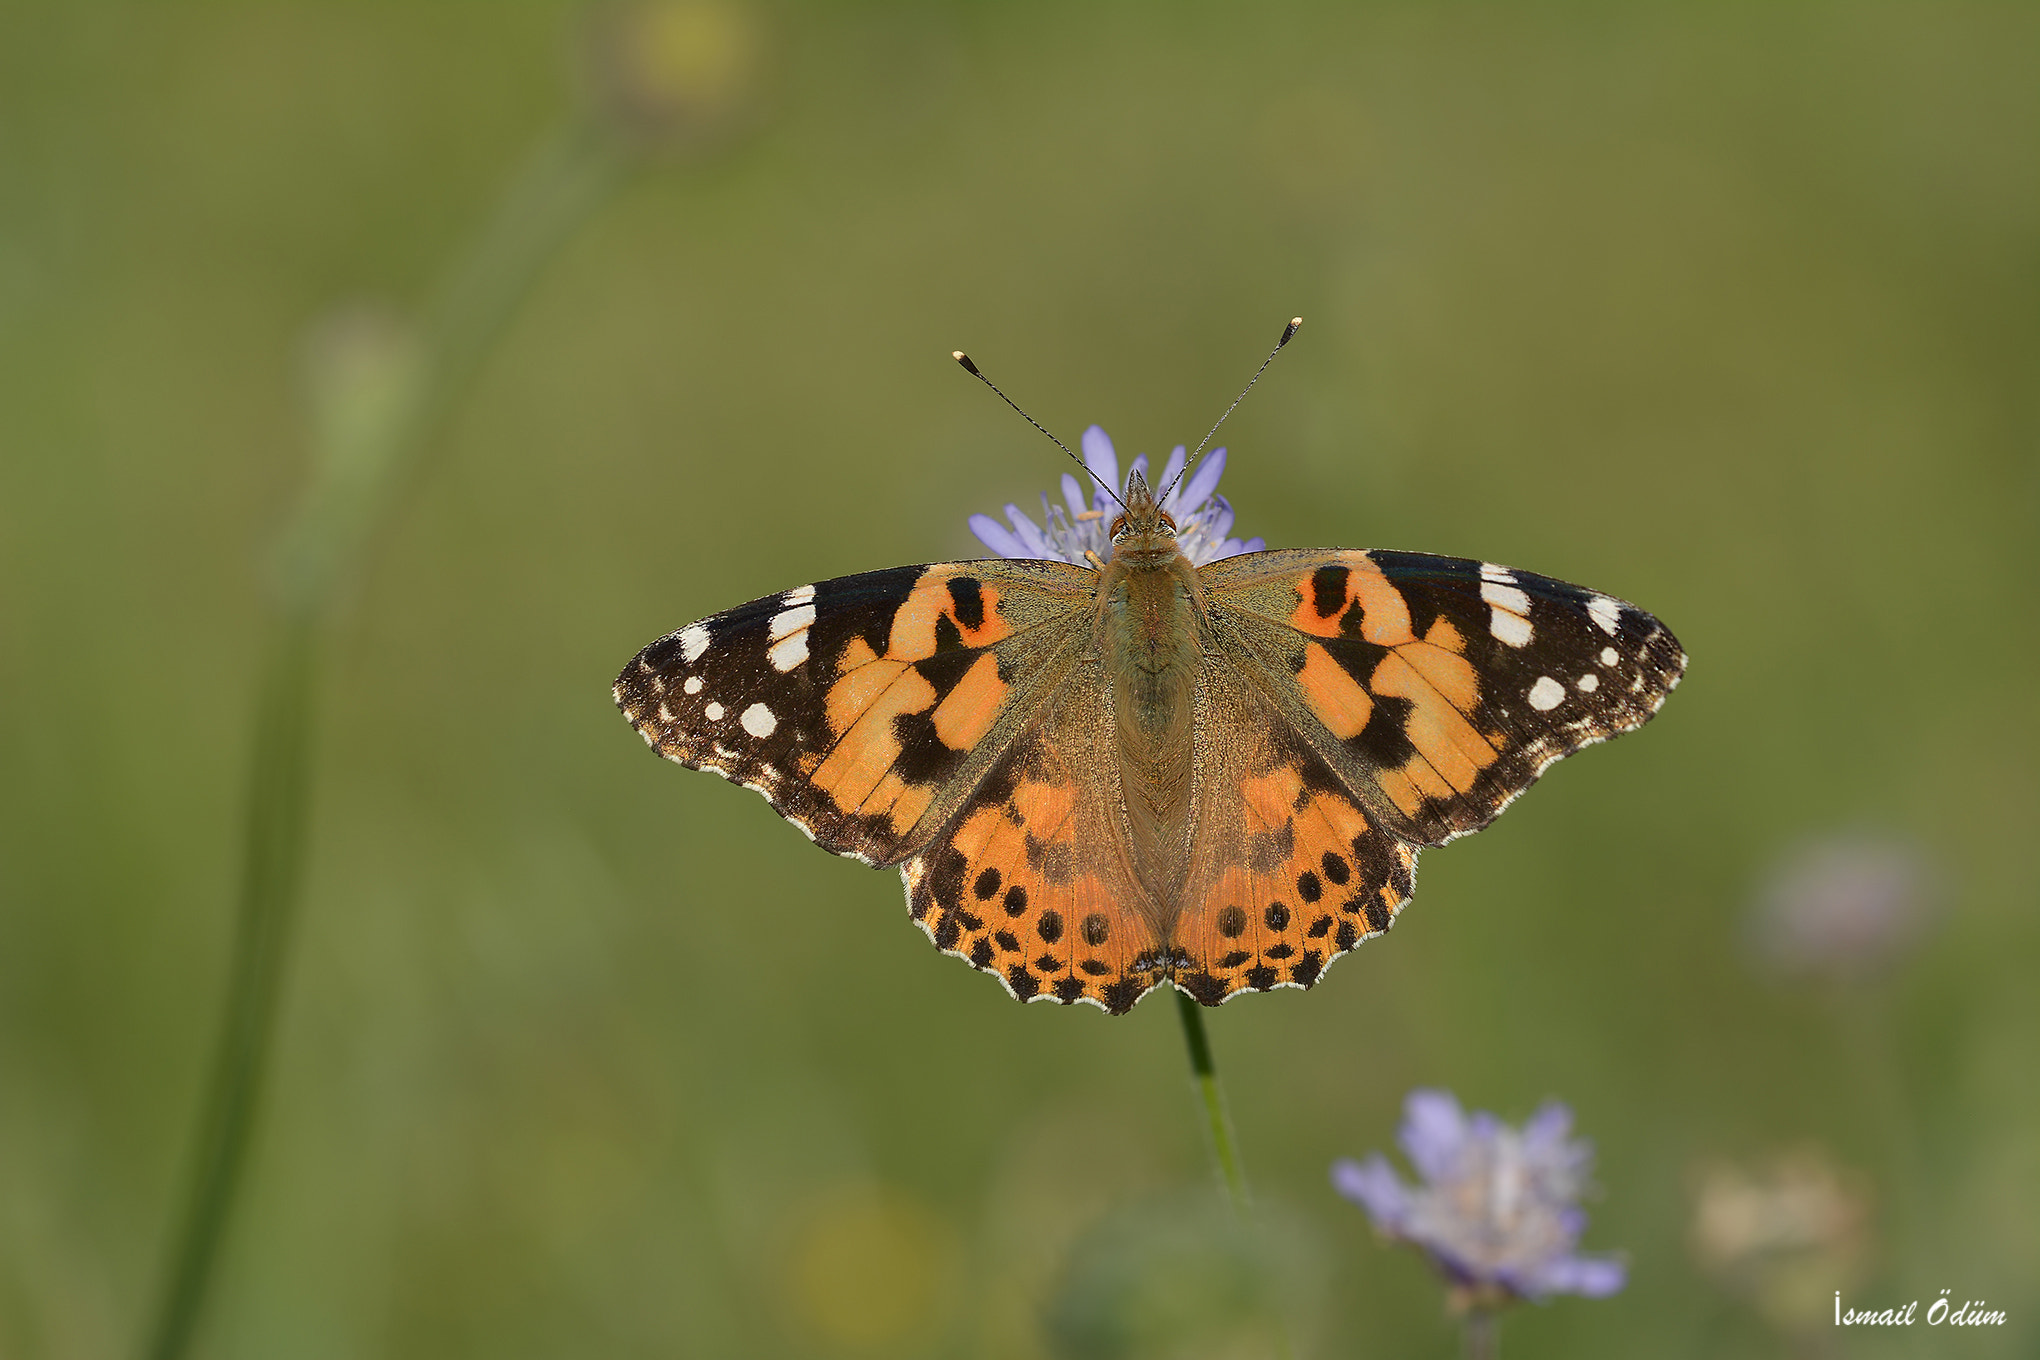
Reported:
(1289, 331)
(964, 359)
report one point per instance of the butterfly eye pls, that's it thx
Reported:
(1169, 521)
(1118, 526)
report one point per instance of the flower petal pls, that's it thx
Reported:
(1204, 481)
(1073, 495)
(1100, 459)
(1549, 1126)
(1170, 471)
(1433, 1133)
(997, 537)
(1024, 528)
(1218, 518)
(1374, 1186)
(1595, 1277)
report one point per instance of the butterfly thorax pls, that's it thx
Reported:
(1150, 634)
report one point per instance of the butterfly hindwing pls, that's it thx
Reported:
(1288, 870)
(1439, 688)
(862, 708)
(1029, 881)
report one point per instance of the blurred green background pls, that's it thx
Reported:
(1729, 310)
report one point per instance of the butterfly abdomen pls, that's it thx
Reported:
(1151, 645)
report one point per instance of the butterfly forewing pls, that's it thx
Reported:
(1439, 688)
(862, 707)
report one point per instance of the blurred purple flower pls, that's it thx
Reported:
(1075, 527)
(1844, 906)
(1498, 1211)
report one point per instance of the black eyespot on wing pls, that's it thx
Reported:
(1328, 590)
(968, 598)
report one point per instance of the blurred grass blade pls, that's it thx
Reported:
(378, 396)
(279, 780)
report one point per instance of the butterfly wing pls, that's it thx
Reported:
(1030, 881)
(1375, 703)
(1437, 689)
(864, 708)
(1288, 869)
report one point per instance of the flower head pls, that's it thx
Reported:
(1498, 1213)
(1782, 1233)
(1070, 530)
(1845, 906)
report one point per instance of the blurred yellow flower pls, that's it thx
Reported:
(871, 1266)
(678, 72)
(1783, 1235)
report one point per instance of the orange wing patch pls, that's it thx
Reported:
(1028, 883)
(1289, 871)
(1321, 880)
(973, 611)
(870, 693)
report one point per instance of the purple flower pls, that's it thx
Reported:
(1845, 906)
(1077, 526)
(1498, 1211)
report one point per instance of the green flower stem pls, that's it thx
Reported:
(1223, 1148)
(1483, 1335)
(370, 423)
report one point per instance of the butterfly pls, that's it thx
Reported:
(1096, 780)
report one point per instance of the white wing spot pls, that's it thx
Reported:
(714, 711)
(1513, 629)
(1589, 682)
(1546, 694)
(798, 595)
(665, 714)
(758, 721)
(789, 651)
(1609, 656)
(1605, 612)
(693, 685)
(1505, 597)
(1501, 576)
(789, 621)
(693, 642)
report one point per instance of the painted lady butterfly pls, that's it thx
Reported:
(1096, 781)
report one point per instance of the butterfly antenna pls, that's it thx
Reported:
(972, 369)
(1288, 334)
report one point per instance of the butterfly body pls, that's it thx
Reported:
(1099, 781)
(1151, 638)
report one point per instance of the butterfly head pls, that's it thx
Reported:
(1143, 529)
